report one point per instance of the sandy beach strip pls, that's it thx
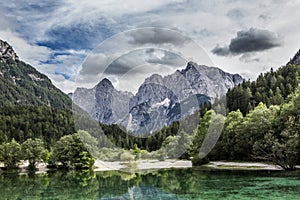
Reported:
(166, 164)
(142, 164)
(243, 165)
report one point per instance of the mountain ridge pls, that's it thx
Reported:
(158, 98)
(20, 83)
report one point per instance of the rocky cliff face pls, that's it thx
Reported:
(194, 79)
(296, 59)
(111, 105)
(162, 100)
(6, 51)
(159, 100)
(103, 102)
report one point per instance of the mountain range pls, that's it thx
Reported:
(159, 100)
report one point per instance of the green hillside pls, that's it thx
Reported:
(21, 84)
(30, 105)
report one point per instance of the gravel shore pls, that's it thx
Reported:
(169, 163)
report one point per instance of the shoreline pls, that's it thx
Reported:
(141, 165)
(243, 165)
(100, 166)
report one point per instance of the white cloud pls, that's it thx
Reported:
(207, 22)
(65, 85)
(29, 53)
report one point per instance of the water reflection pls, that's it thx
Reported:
(173, 184)
(144, 193)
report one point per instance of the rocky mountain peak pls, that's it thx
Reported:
(160, 100)
(296, 59)
(105, 83)
(154, 78)
(6, 51)
(191, 65)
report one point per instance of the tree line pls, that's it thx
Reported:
(262, 124)
(265, 133)
(22, 122)
(271, 88)
(68, 152)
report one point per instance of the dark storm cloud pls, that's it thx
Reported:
(157, 36)
(252, 40)
(118, 67)
(126, 63)
(221, 51)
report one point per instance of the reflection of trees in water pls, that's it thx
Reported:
(101, 185)
(55, 185)
(166, 184)
(15, 186)
(72, 185)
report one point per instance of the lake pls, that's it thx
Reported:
(191, 183)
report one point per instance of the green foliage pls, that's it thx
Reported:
(256, 124)
(153, 141)
(199, 160)
(21, 84)
(270, 134)
(109, 154)
(31, 107)
(23, 122)
(281, 144)
(10, 154)
(200, 132)
(46, 156)
(90, 142)
(136, 149)
(283, 152)
(271, 88)
(71, 152)
(84, 161)
(177, 146)
(33, 150)
(231, 135)
(127, 157)
(160, 155)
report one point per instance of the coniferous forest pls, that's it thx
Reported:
(262, 124)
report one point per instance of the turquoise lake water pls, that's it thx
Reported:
(193, 183)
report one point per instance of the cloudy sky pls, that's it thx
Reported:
(76, 43)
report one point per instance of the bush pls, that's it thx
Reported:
(145, 154)
(159, 155)
(126, 156)
(197, 161)
(71, 152)
(10, 154)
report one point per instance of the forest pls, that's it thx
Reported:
(262, 124)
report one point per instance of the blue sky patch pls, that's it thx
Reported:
(66, 76)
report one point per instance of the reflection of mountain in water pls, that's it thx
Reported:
(144, 193)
